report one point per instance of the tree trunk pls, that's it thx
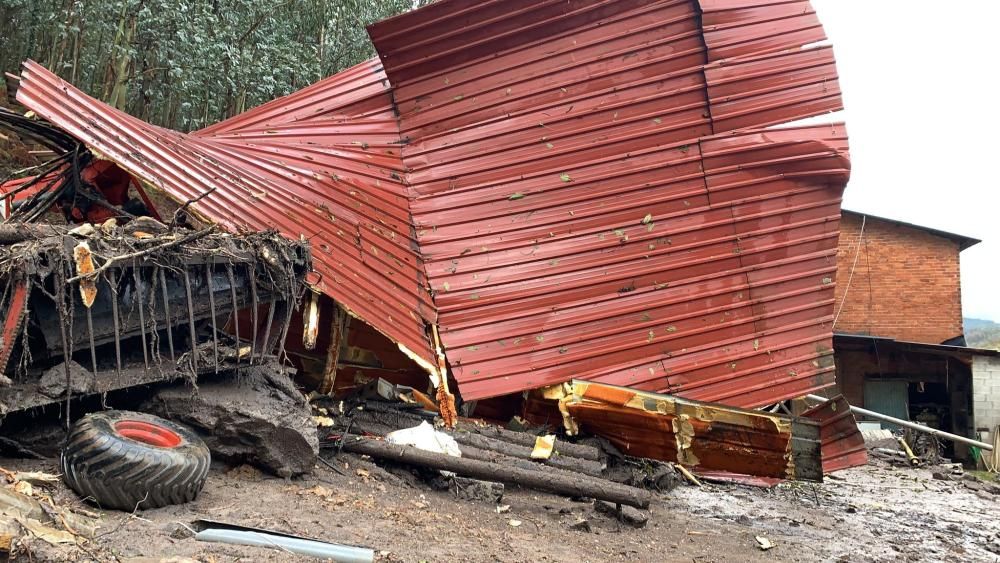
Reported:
(576, 485)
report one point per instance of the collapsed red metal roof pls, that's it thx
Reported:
(585, 209)
(321, 164)
(568, 189)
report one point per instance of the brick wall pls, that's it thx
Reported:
(905, 284)
(986, 392)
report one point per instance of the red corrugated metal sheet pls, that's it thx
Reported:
(322, 164)
(842, 444)
(570, 189)
(699, 435)
(584, 211)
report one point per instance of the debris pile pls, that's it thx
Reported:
(94, 309)
(30, 521)
(257, 417)
(476, 460)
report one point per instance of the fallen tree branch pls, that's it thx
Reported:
(11, 233)
(138, 254)
(576, 485)
(183, 208)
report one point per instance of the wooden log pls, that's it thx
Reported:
(378, 412)
(471, 452)
(557, 459)
(542, 480)
(475, 442)
(524, 439)
(338, 330)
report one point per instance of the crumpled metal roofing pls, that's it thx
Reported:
(843, 446)
(557, 184)
(321, 164)
(585, 210)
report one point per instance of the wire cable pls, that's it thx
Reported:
(843, 300)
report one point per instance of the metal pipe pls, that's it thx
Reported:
(314, 548)
(912, 425)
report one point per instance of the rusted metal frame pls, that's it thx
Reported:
(284, 329)
(112, 280)
(252, 272)
(235, 313)
(190, 309)
(338, 327)
(64, 338)
(166, 313)
(142, 314)
(15, 316)
(266, 345)
(209, 267)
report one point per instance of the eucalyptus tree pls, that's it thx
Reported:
(187, 63)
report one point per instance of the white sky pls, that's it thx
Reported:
(921, 83)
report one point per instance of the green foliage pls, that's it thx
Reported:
(982, 334)
(185, 64)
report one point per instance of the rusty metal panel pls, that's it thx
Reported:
(699, 435)
(584, 210)
(322, 164)
(14, 314)
(842, 445)
(738, 28)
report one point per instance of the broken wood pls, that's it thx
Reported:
(115, 259)
(688, 475)
(914, 460)
(11, 233)
(541, 480)
(338, 328)
(16, 504)
(444, 397)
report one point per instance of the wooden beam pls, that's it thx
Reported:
(339, 323)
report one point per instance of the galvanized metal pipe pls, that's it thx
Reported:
(322, 550)
(912, 425)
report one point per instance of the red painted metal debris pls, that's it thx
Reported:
(737, 479)
(691, 433)
(843, 446)
(585, 210)
(582, 189)
(322, 164)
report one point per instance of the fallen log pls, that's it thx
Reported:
(535, 479)
(380, 413)
(563, 447)
(471, 452)
(557, 459)
(483, 448)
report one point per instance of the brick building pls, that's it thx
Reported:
(899, 343)
(905, 283)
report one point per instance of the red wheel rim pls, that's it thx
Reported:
(148, 433)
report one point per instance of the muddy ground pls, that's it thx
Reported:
(875, 513)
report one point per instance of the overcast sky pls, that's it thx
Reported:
(921, 85)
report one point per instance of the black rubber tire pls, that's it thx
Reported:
(113, 471)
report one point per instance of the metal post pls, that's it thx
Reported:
(913, 425)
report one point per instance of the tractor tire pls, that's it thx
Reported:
(129, 460)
